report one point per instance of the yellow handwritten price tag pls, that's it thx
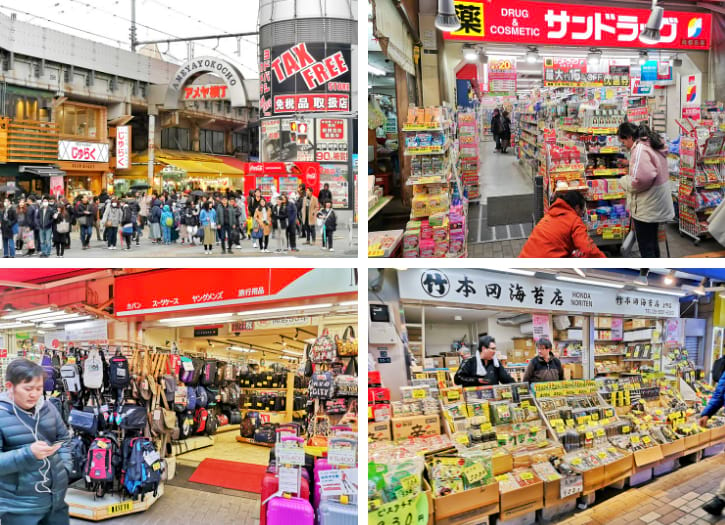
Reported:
(646, 440)
(634, 439)
(605, 421)
(486, 427)
(474, 473)
(576, 461)
(553, 477)
(602, 455)
(595, 417)
(581, 420)
(609, 412)
(600, 432)
(626, 429)
(524, 404)
(410, 483)
(581, 428)
(453, 395)
(570, 423)
(527, 476)
(462, 439)
(589, 435)
(419, 393)
(412, 510)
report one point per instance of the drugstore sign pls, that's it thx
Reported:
(466, 288)
(575, 25)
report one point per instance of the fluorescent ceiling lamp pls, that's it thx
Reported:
(532, 55)
(73, 320)
(47, 325)
(347, 303)
(580, 272)
(286, 309)
(660, 291)
(298, 354)
(446, 18)
(195, 318)
(14, 325)
(28, 313)
(240, 349)
(516, 271)
(457, 318)
(52, 318)
(651, 34)
(588, 281)
(376, 71)
(670, 278)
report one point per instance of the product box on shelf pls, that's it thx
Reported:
(415, 426)
(648, 456)
(379, 431)
(522, 500)
(593, 479)
(676, 447)
(617, 470)
(462, 507)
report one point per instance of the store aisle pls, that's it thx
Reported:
(501, 174)
(226, 447)
(674, 498)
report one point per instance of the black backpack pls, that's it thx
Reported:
(211, 424)
(208, 374)
(186, 424)
(139, 475)
(79, 453)
(246, 428)
(198, 369)
(118, 372)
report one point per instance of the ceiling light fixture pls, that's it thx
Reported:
(298, 354)
(588, 281)
(700, 290)
(195, 318)
(659, 291)
(446, 18)
(580, 272)
(347, 303)
(670, 278)
(286, 309)
(594, 58)
(376, 71)
(469, 53)
(651, 34)
(532, 55)
(29, 313)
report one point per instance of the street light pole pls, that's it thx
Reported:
(132, 32)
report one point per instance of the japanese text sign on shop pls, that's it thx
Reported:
(123, 147)
(265, 83)
(541, 326)
(502, 75)
(579, 25)
(87, 331)
(484, 288)
(565, 72)
(332, 140)
(82, 151)
(311, 103)
(411, 510)
(206, 92)
(618, 76)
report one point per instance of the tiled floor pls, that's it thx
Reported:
(674, 498)
(227, 448)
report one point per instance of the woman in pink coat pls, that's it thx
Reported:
(647, 185)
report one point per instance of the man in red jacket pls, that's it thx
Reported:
(561, 232)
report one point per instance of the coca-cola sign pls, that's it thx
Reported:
(82, 151)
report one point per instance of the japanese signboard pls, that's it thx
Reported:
(82, 151)
(618, 76)
(206, 331)
(282, 322)
(565, 72)
(472, 287)
(206, 92)
(541, 326)
(690, 91)
(158, 291)
(587, 25)
(502, 75)
(337, 176)
(87, 331)
(305, 78)
(332, 140)
(123, 147)
(288, 140)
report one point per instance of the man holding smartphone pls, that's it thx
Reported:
(33, 473)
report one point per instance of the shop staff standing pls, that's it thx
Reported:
(543, 367)
(482, 368)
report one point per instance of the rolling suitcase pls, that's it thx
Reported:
(283, 511)
(333, 513)
(270, 484)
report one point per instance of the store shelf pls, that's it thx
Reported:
(608, 355)
(384, 201)
(427, 150)
(639, 359)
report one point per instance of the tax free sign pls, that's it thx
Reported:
(468, 287)
(575, 25)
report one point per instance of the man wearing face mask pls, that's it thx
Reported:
(482, 368)
(44, 225)
(35, 458)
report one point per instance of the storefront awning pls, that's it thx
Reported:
(194, 164)
(42, 171)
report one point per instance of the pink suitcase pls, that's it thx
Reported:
(283, 511)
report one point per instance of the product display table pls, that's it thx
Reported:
(384, 201)
(384, 243)
(85, 505)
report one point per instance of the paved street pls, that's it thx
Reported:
(342, 244)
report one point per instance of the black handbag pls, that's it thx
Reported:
(133, 417)
(83, 421)
(265, 434)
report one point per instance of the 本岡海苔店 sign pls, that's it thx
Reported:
(555, 24)
(471, 287)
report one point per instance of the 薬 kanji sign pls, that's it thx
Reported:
(578, 25)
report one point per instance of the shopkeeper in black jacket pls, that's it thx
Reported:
(543, 367)
(482, 368)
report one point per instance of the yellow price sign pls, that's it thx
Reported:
(474, 473)
(595, 417)
(524, 404)
(570, 423)
(589, 435)
(412, 510)
(526, 476)
(646, 440)
(553, 477)
(634, 439)
(626, 429)
(581, 428)
(120, 508)
(462, 439)
(600, 432)
(576, 461)
(602, 455)
(609, 412)
(605, 421)
(453, 395)
(410, 483)
(486, 427)
(419, 393)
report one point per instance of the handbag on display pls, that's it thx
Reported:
(347, 346)
(164, 419)
(83, 421)
(323, 349)
(132, 417)
(346, 385)
(322, 386)
(319, 429)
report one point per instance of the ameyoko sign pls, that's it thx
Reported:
(492, 289)
(578, 25)
(82, 151)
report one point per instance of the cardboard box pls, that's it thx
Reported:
(619, 469)
(676, 447)
(416, 426)
(502, 464)
(717, 433)
(523, 343)
(593, 479)
(379, 431)
(692, 442)
(459, 508)
(522, 501)
(648, 456)
(704, 438)
(451, 362)
(603, 322)
(524, 519)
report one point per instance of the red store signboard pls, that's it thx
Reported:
(307, 173)
(575, 25)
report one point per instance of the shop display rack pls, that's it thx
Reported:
(468, 141)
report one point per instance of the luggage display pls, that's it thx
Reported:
(270, 484)
(333, 513)
(283, 511)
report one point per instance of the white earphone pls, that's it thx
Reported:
(44, 470)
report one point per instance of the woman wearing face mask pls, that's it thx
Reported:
(35, 456)
(263, 216)
(112, 218)
(207, 218)
(8, 226)
(61, 229)
(647, 185)
(44, 225)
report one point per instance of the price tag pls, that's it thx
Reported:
(576, 461)
(600, 432)
(486, 427)
(605, 421)
(589, 435)
(570, 423)
(595, 417)
(410, 483)
(646, 440)
(524, 404)
(505, 394)
(288, 478)
(634, 439)
(581, 420)
(609, 412)
(553, 477)
(626, 429)
(602, 455)
(527, 476)
(290, 456)
(581, 428)
(462, 439)
(419, 393)
(341, 456)
(571, 485)
(474, 473)
(453, 395)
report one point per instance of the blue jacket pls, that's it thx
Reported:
(19, 470)
(166, 214)
(291, 214)
(717, 399)
(207, 217)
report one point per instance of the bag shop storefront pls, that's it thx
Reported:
(207, 378)
(480, 441)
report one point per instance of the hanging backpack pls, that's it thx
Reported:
(181, 398)
(186, 424)
(61, 407)
(51, 374)
(118, 371)
(202, 397)
(93, 370)
(323, 349)
(142, 467)
(198, 369)
(229, 372)
(71, 376)
(79, 455)
(191, 402)
(168, 382)
(102, 458)
(186, 371)
(209, 375)
(200, 420)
